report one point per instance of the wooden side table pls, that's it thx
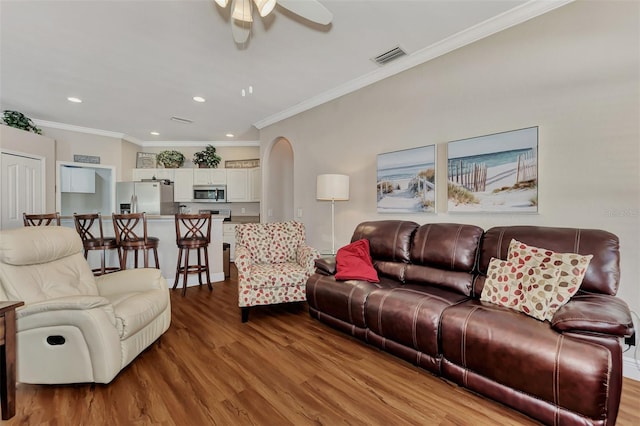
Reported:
(8, 358)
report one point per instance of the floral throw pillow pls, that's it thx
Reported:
(571, 267)
(525, 288)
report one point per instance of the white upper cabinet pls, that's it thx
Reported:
(183, 185)
(209, 176)
(77, 179)
(237, 185)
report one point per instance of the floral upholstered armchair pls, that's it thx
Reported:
(273, 264)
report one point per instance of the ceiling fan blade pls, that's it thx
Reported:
(312, 10)
(240, 30)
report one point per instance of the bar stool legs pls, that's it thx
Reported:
(183, 268)
(193, 232)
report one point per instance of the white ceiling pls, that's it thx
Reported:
(137, 63)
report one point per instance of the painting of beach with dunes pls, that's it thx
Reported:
(406, 181)
(494, 173)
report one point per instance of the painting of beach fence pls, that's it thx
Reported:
(494, 173)
(406, 181)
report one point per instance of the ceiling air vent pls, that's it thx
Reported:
(182, 120)
(389, 56)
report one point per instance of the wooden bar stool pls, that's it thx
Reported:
(46, 219)
(86, 227)
(193, 231)
(131, 235)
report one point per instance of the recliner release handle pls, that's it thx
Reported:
(56, 340)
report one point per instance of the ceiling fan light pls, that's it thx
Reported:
(265, 6)
(222, 3)
(242, 11)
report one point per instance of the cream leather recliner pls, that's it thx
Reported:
(75, 327)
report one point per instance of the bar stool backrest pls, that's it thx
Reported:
(130, 227)
(46, 219)
(85, 226)
(193, 226)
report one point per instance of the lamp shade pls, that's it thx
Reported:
(332, 187)
(242, 10)
(265, 6)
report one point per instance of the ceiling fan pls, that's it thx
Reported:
(242, 13)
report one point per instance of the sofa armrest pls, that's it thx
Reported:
(130, 280)
(326, 266)
(597, 313)
(305, 257)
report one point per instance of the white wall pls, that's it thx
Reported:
(574, 72)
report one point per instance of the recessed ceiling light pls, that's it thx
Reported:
(229, 135)
(74, 100)
(155, 133)
(199, 99)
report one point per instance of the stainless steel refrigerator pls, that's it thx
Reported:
(150, 197)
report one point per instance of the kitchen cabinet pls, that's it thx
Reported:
(244, 185)
(237, 185)
(77, 179)
(229, 236)
(183, 185)
(209, 176)
(255, 184)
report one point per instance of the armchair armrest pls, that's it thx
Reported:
(130, 280)
(597, 313)
(326, 266)
(305, 257)
(243, 262)
(63, 304)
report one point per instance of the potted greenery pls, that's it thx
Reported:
(170, 159)
(19, 121)
(207, 158)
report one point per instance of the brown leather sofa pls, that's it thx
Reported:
(426, 310)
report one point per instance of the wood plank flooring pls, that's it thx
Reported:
(280, 368)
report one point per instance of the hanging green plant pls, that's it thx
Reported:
(19, 121)
(207, 158)
(170, 159)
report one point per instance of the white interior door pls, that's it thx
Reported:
(22, 188)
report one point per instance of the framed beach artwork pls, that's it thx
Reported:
(406, 181)
(494, 173)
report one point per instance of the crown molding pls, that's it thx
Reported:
(116, 135)
(71, 127)
(217, 144)
(508, 19)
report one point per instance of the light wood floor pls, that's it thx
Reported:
(280, 368)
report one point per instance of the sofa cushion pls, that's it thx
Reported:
(523, 287)
(603, 273)
(410, 315)
(388, 239)
(570, 267)
(526, 356)
(353, 262)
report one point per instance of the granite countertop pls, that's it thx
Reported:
(244, 219)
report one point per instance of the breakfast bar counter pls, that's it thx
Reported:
(163, 228)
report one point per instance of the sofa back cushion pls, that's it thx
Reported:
(390, 243)
(603, 273)
(43, 262)
(444, 254)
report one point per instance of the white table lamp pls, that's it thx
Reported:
(333, 188)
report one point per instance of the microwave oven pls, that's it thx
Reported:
(210, 193)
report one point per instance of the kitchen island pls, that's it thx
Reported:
(163, 228)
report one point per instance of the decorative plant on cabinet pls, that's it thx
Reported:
(19, 121)
(207, 158)
(170, 159)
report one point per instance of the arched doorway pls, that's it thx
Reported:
(279, 182)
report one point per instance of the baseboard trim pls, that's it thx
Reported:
(192, 280)
(631, 367)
